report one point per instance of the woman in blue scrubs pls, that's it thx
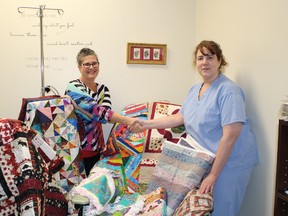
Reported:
(214, 115)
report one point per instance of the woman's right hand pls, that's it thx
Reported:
(136, 125)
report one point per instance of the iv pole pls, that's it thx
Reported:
(41, 8)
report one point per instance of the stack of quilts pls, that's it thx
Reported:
(123, 150)
(180, 168)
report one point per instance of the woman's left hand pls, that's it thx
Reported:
(208, 183)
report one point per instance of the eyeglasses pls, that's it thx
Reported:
(93, 64)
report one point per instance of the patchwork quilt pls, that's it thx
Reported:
(149, 169)
(126, 148)
(55, 120)
(104, 190)
(179, 170)
(25, 101)
(27, 182)
(196, 204)
(155, 203)
(156, 138)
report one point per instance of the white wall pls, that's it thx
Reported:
(108, 26)
(253, 36)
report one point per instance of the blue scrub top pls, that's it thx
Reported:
(222, 103)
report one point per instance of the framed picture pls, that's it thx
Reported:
(145, 53)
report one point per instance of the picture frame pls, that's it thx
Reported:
(146, 53)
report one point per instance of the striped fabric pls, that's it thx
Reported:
(99, 105)
(102, 96)
(127, 147)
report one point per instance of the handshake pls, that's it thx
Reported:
(136, 125)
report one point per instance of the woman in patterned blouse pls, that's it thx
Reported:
(93, 106)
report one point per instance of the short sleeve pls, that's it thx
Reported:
(232, 106)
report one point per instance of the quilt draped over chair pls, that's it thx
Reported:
(55, 120)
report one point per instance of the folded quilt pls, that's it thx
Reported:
(155, 203)
(156, 138)
(196, 204)
(179, 170)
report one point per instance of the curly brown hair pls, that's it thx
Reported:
(214, 48)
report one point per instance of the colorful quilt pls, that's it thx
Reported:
(105, 192)
(156, 137)
(112, 183)
(99, 188)
(196, 204)
(124, 149)
(55, 120)
(126, 154)
(178, 170)
(155, 203)
(25, 102)
(93, 139)
(27, 185)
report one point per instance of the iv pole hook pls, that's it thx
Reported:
(41, 8)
